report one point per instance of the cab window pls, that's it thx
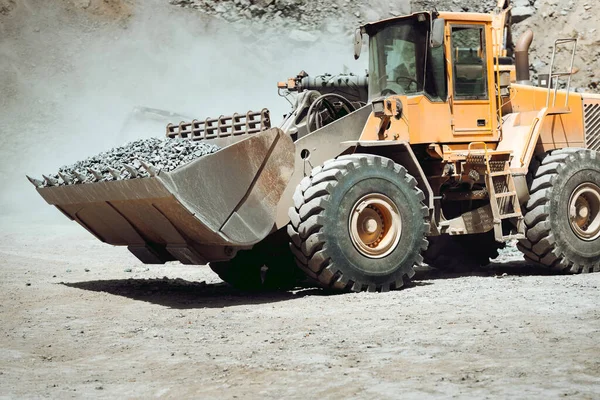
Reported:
(468, 60)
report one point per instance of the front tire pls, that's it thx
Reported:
(359, 223)
(563, 212)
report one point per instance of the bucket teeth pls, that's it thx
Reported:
(132, 171)
(97, 175)
(148, 167)
(66, 178)
(116, 174)
(35, 182)
(50, 181)
(82, 178)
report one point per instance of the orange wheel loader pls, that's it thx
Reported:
(442, 154)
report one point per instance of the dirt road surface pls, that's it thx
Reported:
(80, 319)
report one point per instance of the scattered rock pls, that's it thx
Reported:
(539, 66)
(521, 3)
(83, 3)
(520, 14)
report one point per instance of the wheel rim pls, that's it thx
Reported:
(375, 225)
(584, 211)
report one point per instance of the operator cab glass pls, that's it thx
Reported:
(402, 62)
(468, 60)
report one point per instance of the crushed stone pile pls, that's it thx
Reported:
(141, 158)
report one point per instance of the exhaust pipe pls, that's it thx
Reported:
(522, 57)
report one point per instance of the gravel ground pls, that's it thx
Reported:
(85, 320)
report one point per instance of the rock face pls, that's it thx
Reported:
(553, 19)
(302, 21)
(127, 162)
(522, 13)
(549, 19)
(301, 17)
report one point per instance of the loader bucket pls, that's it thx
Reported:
(200, 212)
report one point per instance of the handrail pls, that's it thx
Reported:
(557, 75)
(498, 90)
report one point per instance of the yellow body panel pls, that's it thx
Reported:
(557, 131)
(466, 115)
(529, 125)
(425, 121)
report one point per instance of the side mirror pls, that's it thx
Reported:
(357, 43)
(437, 32)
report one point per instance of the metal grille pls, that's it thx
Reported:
(592, 125)
(224, 126)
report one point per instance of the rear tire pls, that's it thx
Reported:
(462, 252)
(563, 212)
(359, 223)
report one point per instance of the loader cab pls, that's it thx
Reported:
(402, 62)
(471, 75)
(442, 67)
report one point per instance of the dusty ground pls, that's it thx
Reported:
(75, 323)
(81, 319)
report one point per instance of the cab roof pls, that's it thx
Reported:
(451, 16)
(466, 16)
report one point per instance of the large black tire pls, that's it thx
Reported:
(551, 237)
(462, 252)
(243, 272)
(269, 265)
(320, 224)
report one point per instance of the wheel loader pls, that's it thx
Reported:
(445, 151)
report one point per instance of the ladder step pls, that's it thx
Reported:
(511, 215)
(500, 173)
(505, 194)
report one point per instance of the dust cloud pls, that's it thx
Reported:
(73, 84)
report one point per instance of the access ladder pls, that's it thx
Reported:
(500, 185)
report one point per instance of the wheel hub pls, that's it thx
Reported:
(375, 225)
(584, 211)
(371, 226)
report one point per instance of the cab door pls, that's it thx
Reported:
(470, 92)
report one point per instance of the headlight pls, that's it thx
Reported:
(378, 108)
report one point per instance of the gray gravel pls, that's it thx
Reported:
(127, 162)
